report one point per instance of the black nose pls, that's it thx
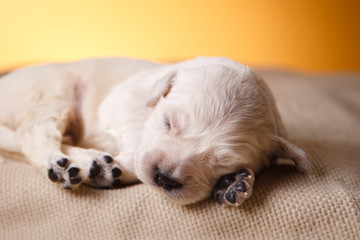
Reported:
(161, 179)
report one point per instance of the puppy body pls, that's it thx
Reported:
(178, 127)
(46, 107)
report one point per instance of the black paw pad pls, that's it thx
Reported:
(62, 162)
(116, 172)
(73, 171)
(116, 183)
(231, 196)
(219, 198)
(240, 186)
(95, 170)
(224, 182)
(243, 173)
(52, 175)
(75, 180)
(108, 159)
(233, 189)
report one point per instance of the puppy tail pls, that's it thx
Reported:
(287, 150)
(8, 140)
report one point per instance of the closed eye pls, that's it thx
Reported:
(167, 122)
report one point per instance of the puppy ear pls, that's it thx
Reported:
(161, 89)
(287, 150)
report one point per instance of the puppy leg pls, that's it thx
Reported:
(40, 137)
(98, 169)
(233, 189)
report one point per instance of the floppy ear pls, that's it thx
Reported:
(161, 89)
(287, 150)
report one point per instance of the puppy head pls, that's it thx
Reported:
(205, 122)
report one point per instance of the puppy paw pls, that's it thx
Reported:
(98, 169)
(233, 189)
(61, 169)
(103, 173)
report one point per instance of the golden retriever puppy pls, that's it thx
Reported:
(189, 129)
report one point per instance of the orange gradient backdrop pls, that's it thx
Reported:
(311, 35)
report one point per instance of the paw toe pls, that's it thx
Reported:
(225, 181)
(230, 196)
(219, 198)
(52, 175)
(243, 173)
(240, 186)
(73, 171)
(108, 159)
(62, 162)
(116, 172)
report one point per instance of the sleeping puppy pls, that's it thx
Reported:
(190, 129)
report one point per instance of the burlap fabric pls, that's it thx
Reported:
(322, 115)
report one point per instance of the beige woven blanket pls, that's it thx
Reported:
(322, 115)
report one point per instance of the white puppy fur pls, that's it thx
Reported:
(178, 127)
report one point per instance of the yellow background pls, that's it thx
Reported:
(311, 35)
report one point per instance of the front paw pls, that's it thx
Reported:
(89, 166)
(61, 169)
(104, 173)
(233, 189)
